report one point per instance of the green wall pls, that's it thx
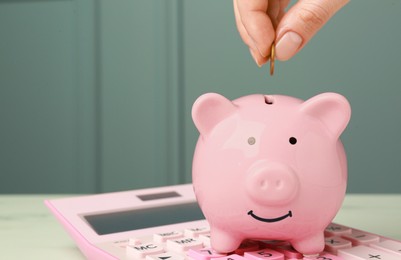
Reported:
(95, 96)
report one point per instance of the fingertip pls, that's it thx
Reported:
(288, 45)
(257, 24)
(259, 60)
(301, 22)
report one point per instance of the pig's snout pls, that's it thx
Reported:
(270, 183)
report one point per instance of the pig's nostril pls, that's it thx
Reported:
(277, 184)
(264, 184)
(269, 100)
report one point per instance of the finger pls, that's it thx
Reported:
(241, 29)
(257, 24)
(283, 5)
(301, 23)
(273, 10)
(259, 59)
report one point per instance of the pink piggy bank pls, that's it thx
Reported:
(270, 167)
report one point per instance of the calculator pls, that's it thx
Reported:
(166, 223)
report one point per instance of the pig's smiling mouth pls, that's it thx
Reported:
(270, 220)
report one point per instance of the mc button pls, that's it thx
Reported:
(141, 251)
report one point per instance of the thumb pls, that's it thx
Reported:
(300, 24)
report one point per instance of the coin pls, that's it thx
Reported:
(272, 58)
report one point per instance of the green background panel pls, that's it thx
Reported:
(96, 96)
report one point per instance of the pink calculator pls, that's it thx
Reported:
(166, 223)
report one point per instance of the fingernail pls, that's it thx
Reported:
(288, 45)
(255, 57)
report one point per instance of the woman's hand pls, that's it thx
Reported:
(262, 22)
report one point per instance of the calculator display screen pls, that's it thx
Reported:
(108, 223)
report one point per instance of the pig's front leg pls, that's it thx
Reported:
(311, 245)
(222, 241)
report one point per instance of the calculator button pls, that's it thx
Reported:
(203, 254)
(364, 252)
(247, 246)
(121, 243)
(195, 232)
(264, 254)
(184, 244)
(360, 238)
(230, 257)
(288, 251)
(133, 241)
(166, 256)
(205, 240)
(333, 244)
(140, 251)
(324, 256)
(389, 246)
(163, 237)
(336, 230)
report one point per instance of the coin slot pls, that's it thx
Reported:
(269, 100)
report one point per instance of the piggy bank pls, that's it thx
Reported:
(270, 167)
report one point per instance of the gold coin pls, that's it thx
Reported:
(272, 58)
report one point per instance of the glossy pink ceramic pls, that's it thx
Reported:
(270, 167)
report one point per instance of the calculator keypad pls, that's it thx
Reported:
(194, 243)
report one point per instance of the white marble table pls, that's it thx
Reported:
(29, 231)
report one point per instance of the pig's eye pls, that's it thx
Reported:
(293, 140)
(251, 140)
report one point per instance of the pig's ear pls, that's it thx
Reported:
(209, 109)
(332, 109)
